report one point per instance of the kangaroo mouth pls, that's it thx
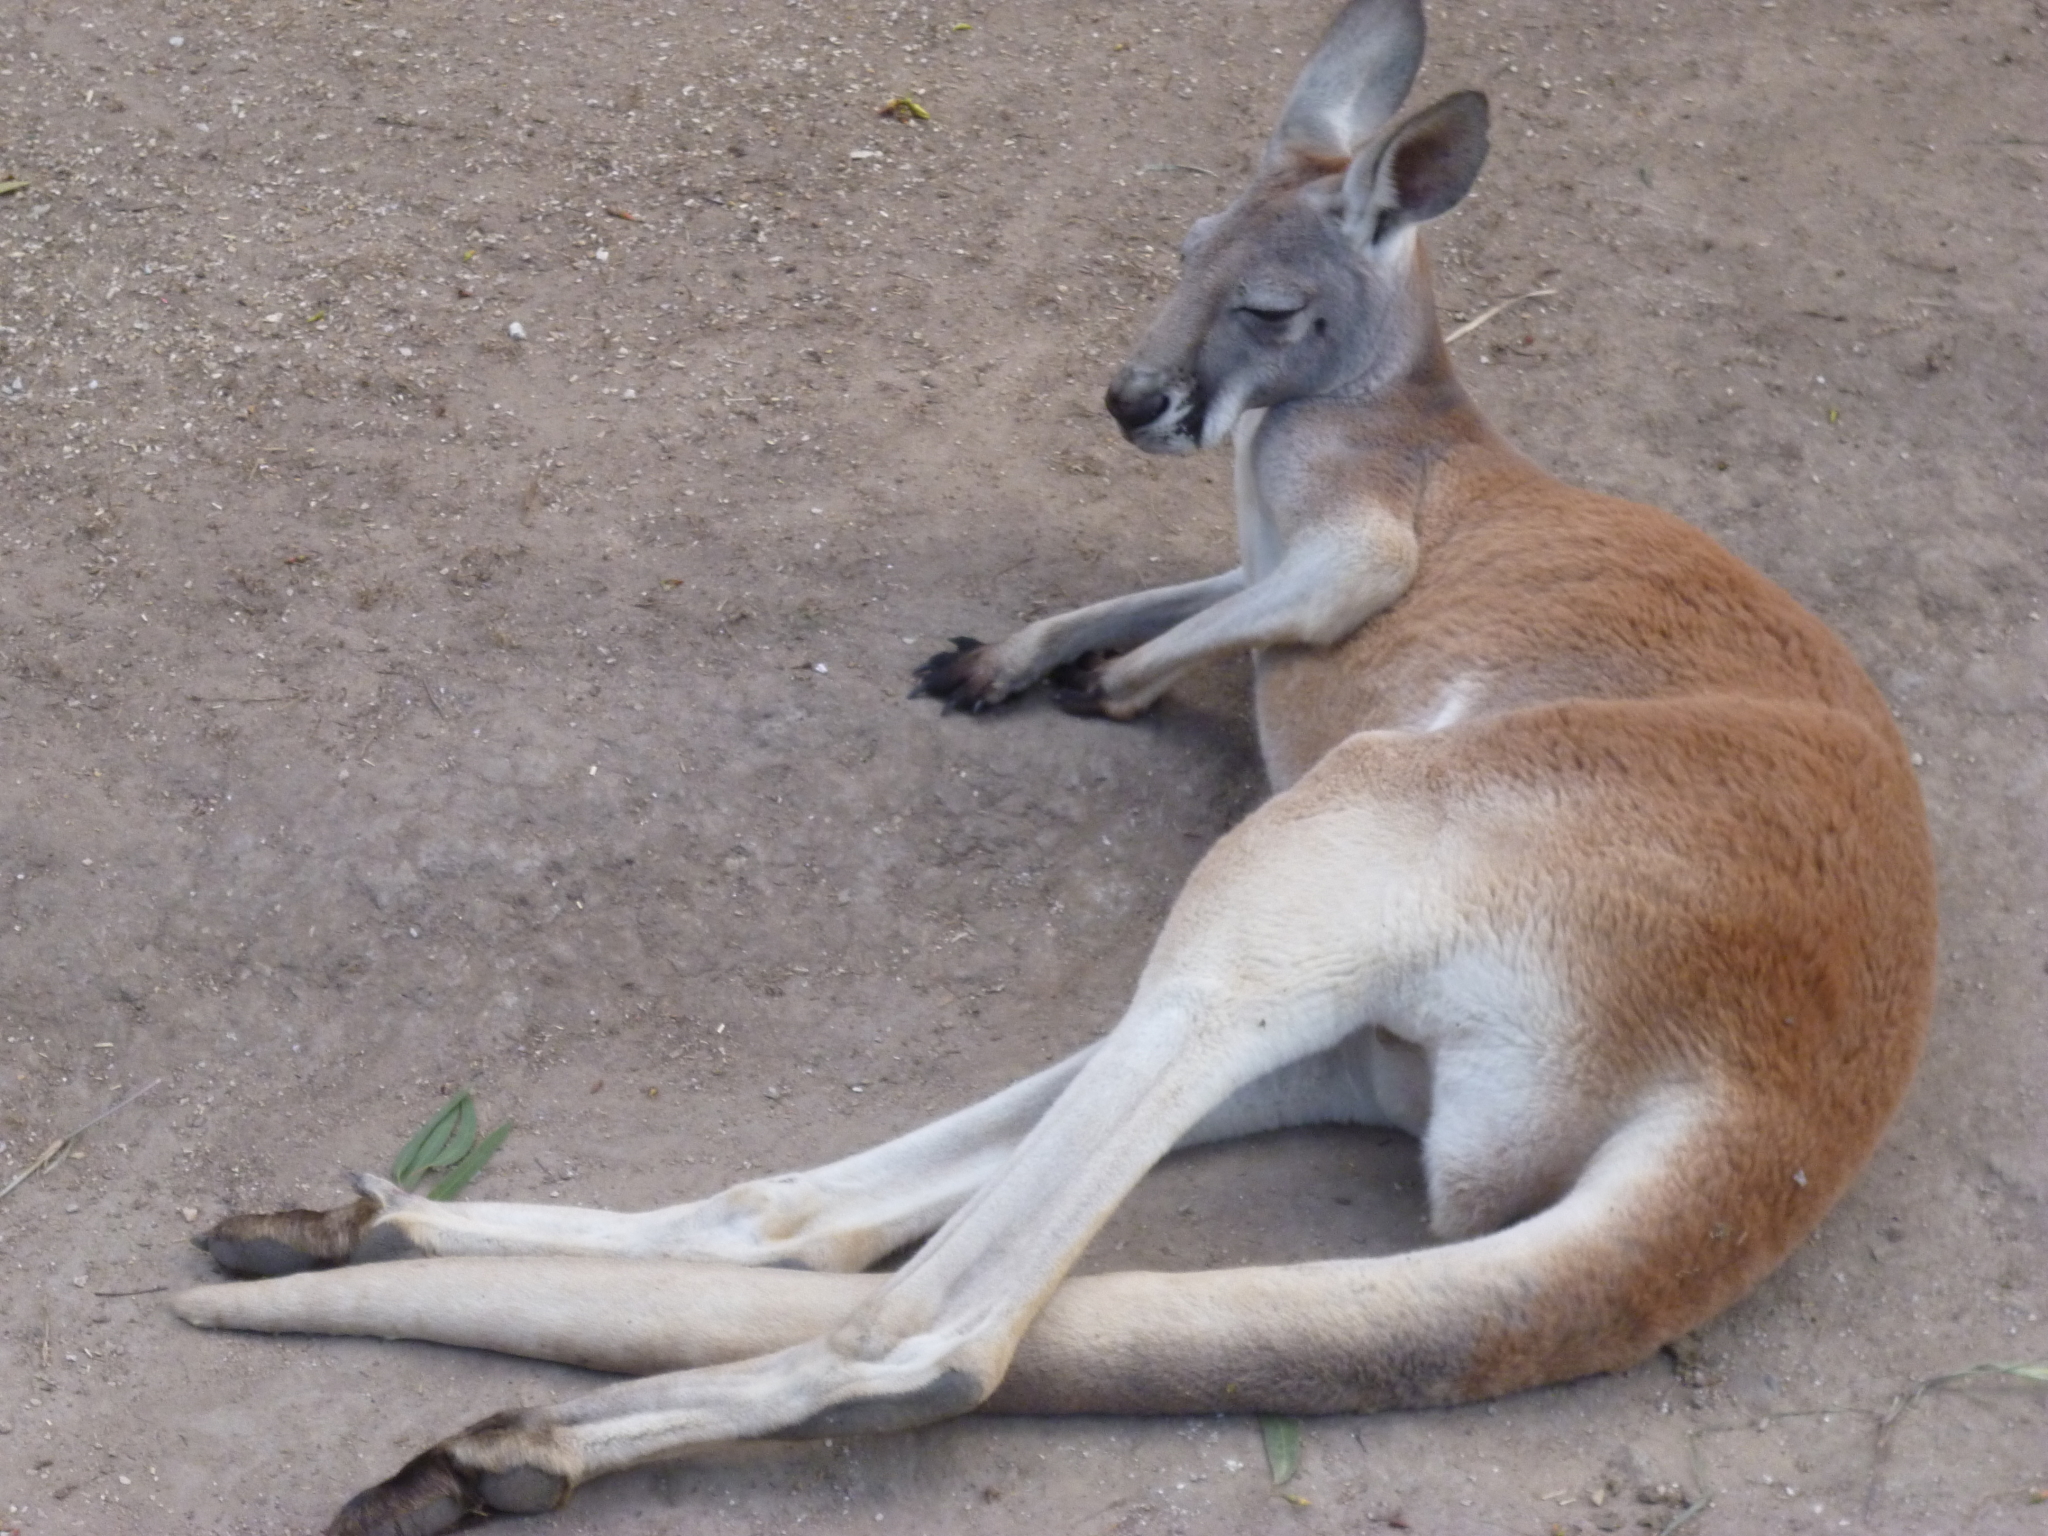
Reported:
(1174, 440)
(1176, 429)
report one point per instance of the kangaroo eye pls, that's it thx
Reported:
(1272, 316)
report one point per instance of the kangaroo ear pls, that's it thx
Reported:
(1417, 171)
(1353, 82)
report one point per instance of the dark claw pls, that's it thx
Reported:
(947, 678)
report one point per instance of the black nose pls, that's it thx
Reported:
(1135, 408)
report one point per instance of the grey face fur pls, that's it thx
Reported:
(1274, 304)
(1303, 288)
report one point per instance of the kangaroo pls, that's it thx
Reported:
(1592, 861)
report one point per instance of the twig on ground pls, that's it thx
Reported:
(1888, 1420)
(1703, 1498)
(408, 675)
(48, 1157)
(1487, 314)
(2034, 1372)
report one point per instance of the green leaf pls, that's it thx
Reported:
(428, 1148)
(471, 1165)
(1283, 1445)
(405, 1170)
(464, 1139)
(446, 1145)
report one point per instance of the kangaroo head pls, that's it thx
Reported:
(1310, 284)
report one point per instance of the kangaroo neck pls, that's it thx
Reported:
(1422, 409)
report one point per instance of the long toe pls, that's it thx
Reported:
(284, 1242)
(427, 1496)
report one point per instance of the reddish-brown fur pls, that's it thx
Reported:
(1593, 858)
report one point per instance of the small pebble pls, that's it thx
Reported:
(516, 331)
(189, 1212)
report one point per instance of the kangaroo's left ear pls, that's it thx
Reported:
(1415, 171)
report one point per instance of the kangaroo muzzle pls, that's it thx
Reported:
(1157, 413)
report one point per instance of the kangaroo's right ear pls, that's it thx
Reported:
(1419, 170)
(1354, 81)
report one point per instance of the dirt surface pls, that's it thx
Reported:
(391, 703)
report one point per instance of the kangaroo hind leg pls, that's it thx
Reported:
(843, 1216)
(1298, 928)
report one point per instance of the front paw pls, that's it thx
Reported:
(1082, 688)
(1076, 686)
(963, 678)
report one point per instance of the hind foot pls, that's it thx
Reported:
(266, 1243)
(490, 1468)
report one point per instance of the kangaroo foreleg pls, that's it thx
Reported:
(1330, 581)
(973, 676)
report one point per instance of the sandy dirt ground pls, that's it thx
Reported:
(389, 703)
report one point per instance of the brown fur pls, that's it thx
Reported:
(1593, 859)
